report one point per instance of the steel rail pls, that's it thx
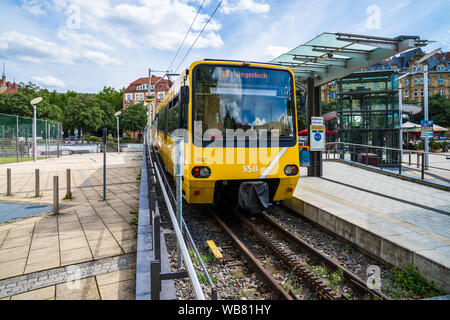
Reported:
(320, 287)
(259, 269)
(355, 282)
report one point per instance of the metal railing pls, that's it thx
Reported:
(391, 159)
(154, 176)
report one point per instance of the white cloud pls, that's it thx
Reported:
(275, 51)
(229, 6)
(34, 7)
(32, 49)
(50, 81)
(78, 39)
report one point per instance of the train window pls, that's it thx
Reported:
(173, 118)
(244, 98)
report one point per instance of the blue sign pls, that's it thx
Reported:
(318, 137)
(427, 129)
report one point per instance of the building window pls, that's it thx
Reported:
(421, 80)
(429, 81)
(415, 80)
(441, 80)
(415, 69)
(129, 97)
(416, 93)
(421, 92)
(406, 81)
(333, 83)
(406, 94)
(420, 69)
(160, 96)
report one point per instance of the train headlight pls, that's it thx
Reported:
(201, 172)
(291, 170)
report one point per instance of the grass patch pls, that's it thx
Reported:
(336, 279)
(206, 258)
(412, 281)
(68, 196)
(320, 271)
(292, 285)
(134, 221)
(5, 160)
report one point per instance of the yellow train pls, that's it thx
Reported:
(239, 124)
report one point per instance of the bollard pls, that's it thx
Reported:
(68, 191)
(418, 160)
(55, 195)
(423, 166)
(36, 188)
(8, 182)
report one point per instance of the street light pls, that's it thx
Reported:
(425, 93)
(117, 114)
(34, 102)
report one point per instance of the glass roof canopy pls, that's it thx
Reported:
(331, 56)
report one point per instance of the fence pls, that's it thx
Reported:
(402, 162)
(16, 138)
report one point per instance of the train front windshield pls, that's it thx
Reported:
(244, 98)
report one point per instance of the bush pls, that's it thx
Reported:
(130, 140)
(94, 139)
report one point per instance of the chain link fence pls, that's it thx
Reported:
(16, 138)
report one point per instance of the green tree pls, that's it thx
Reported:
(134, 118)
(83, 111)
(438, 110)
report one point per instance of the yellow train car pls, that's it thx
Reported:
(239, 124)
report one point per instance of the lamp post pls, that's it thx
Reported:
(425, 96)
(117, 114)
(34, 102)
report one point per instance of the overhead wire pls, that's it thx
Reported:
(198, 36)
(187, 33)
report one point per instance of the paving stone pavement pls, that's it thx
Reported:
(420, 226)
(87, 228)
(47, 278)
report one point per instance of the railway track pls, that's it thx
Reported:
(298, 256)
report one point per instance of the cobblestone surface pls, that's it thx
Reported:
(42, 279)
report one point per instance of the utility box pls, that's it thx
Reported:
(304, 158)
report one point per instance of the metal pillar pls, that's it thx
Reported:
(68, 189)
(34, 134)
(118, 135)
(36, 188)
(425, 103)
(314, 110)
(105, 132)
(17, 137)
(55, 195)
(8, 182)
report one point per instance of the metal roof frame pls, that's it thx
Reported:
(331, 56)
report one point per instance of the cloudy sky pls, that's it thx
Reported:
(83, 45)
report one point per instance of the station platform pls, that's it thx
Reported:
(400, 222)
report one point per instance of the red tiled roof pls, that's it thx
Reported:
(442, 56)
(163, 85)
